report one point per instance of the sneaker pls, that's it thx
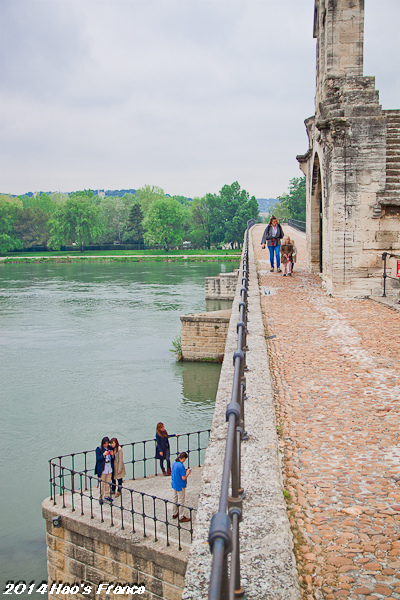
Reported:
(271, 270)
(284, 274)
(279, 271)
(289, 274)
(108, 499)
(101, 501)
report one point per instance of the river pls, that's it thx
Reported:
(85, 353)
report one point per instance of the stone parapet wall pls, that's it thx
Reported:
(267, 562)
(86, 555)
(203, 335)
(221, 287)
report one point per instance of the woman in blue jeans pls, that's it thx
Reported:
(272, 236)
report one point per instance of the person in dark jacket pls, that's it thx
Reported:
(104, 468)
(272, 237)
(162, 448)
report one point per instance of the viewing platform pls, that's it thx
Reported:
(134, 539)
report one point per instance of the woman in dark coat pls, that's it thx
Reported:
(162, 448)
(272, 237)
(104, 468)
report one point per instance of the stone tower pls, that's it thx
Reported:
(353, 161)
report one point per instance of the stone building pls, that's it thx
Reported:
(353, 161)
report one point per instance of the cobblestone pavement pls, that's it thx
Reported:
(336, 370)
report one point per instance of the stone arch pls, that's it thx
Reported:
(316, 216)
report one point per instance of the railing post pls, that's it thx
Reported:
(384, 255)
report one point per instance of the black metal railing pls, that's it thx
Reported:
(385, 255)
(225, 581)
(73, 481)
(300, 225)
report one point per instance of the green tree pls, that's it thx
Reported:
(114, 215)
(182, 200)
(76, 220)
(293, 204)
(164, 223)
(9, 210)
(229, 212)
(200, 223)
(33, 227)
(149, 194)
(134, 229)
(42, 201)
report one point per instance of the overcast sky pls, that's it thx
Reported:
(185, 94)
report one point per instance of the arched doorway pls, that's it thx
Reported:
(316, 218)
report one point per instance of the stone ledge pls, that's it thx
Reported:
(215, 316)
(267, 560)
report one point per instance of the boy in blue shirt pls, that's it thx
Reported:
(178, 484)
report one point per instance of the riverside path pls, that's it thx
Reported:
(335, 366)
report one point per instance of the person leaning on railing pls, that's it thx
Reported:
(162, 447)
(178, 484)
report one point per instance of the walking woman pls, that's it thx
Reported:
(104, 468)
(162, 448)
(119, 471)
(272, 236)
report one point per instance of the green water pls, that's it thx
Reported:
(85, 353)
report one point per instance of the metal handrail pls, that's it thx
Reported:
(300, 225)
(142, 453)
(385, 275)
(151, 508)
(77, 480)
(225, 584)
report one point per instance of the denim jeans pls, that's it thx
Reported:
(277, 251)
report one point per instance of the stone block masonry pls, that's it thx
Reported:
(204, 335)
(352, 164)
(222, 287)
(87, 555)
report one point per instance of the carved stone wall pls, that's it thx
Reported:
(353, 161)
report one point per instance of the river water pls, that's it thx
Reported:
(85, 353)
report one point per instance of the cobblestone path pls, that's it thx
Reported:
(336, 370)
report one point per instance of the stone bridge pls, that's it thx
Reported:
(321, 468)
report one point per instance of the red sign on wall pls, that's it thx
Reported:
(398, 269)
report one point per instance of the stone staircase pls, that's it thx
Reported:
(392, 192)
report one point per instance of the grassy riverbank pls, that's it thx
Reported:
(125, 256)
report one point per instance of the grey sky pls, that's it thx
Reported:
(184, 94)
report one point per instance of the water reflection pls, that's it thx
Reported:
(218, 304)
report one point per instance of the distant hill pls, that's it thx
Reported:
(266, 203)
(118, 193)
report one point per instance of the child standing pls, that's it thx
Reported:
(286, 256)
(294, 254)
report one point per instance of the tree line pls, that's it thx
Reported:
(148, 216)
(292, 205)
